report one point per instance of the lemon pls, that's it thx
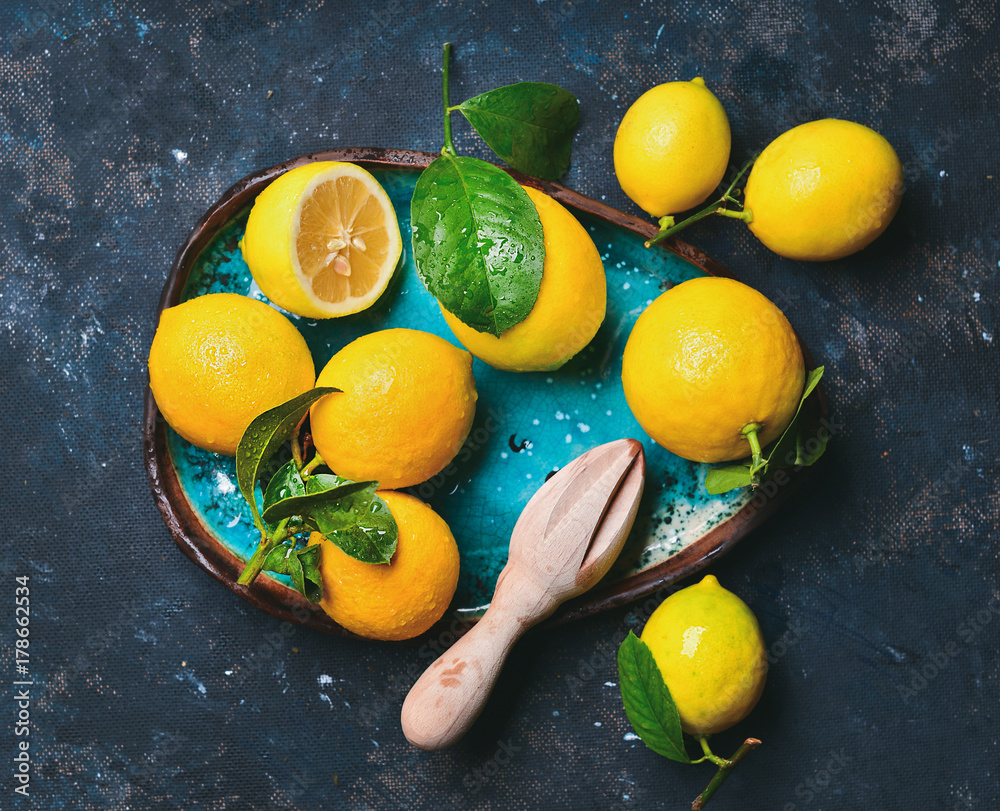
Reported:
(407, 403)
(708, 646)
(570, 306)
(705, 360)
(218, 361)
(405, 597)
(823, 190)
(672, 147)
(322, 240)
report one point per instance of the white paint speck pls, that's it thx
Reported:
(323, 679)
(988, 337)
(188, 676)
(626, 286)
(569, 438)
(555, 713)
(179, 155)
(597, 723)
(584, 428)
(224, 484)
(658, 32)
(943, 173)
(503, 454)
(610, 684)
(608, 412)
(534, 422)
(631, 736)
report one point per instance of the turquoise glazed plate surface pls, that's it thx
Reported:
(526, 426)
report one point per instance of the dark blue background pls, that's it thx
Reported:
(156, 688)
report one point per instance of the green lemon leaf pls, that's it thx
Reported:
(285, 483)
(320, 492)
(301, 565)
(648, 703)
(310, 558)
(477, 242)
(529, 125)
(723, 479)
(785, 450)
(362, 527)
(262, 439)
(810, 442)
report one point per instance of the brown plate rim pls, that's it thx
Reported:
(195, 539)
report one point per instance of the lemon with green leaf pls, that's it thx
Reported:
(570, 307)
(713, 371)
(710, 651)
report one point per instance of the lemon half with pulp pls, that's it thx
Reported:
(322, 240)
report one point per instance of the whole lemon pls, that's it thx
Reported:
(406, 406)
(568, 311)
(708, 646)
(672, 147)
(220, 360)
(823, 190)
(707, 359)
(400, 599)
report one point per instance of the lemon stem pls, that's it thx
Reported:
(256, 562)
(668, 227)
(449, 146)
(709, 755)
(310, 466)
(758, 462)
(725, 767)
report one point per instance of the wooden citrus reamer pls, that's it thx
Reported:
(565, 540)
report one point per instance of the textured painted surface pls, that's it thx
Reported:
(877, 591)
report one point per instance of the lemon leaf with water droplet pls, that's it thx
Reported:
(301, 565)
(321, 491)
(361, 527)
(477, 242)
(285, 483)
(529, 125)
(263, 437)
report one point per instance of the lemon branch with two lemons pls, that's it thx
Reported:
(668, 226)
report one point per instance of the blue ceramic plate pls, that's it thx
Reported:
(526, 426)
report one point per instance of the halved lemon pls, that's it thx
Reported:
(322, 240)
